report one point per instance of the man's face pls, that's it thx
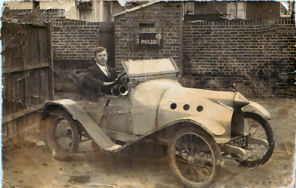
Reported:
(102, 58)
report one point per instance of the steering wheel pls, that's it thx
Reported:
(120, 86)
(120, 76)
(115, 81)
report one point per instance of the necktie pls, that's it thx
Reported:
(108, 73)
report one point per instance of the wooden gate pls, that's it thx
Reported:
(26, 75)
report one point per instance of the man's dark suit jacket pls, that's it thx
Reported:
(91, 81)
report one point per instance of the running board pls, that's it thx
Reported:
(90, 126)
(113, 148)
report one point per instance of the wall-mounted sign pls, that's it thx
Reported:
(150, 37)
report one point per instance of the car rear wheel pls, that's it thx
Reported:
(62, 135)
(194, 157)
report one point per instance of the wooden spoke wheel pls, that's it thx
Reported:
(194, 157)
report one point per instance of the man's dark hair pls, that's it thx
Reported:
(99, 50)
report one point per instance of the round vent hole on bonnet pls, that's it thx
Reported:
(173, 106)
(199, 108)
(186, 107)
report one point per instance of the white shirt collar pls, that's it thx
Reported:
(103, 68)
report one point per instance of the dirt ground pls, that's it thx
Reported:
(30, 164)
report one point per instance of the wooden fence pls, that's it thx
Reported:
(26, 75)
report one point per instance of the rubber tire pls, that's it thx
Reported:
(56, 151)
(269, 134)
(210, 141)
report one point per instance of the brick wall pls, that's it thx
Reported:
(215, 54)
(165, 16)
(251, 53)
(74, 40)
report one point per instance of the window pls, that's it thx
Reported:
(285, 9)
(83, 4)
(236, 10)
(189, 8)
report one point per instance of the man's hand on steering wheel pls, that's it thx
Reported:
(120, 75)
(108, 83)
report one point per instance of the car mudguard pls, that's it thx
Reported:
(211, 126)
(258, 108)
(80, 115)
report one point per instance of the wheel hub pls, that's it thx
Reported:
(64, 134)
(191, 160)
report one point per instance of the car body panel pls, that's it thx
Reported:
(151, 107)
(145, 101)
(212, 115)
(118, 115)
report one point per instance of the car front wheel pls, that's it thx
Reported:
(194, 157)
(259, 140)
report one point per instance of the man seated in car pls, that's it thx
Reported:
(92, 81)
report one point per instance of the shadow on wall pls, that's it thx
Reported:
(63, 70)
(257, 83)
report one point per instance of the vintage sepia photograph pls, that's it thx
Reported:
(148, 93)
